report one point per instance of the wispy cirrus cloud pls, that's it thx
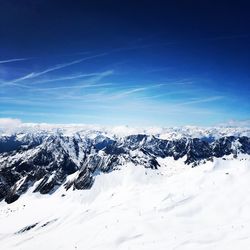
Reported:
(110, 91)
(86, 93)
(72, 77)
(201, 100)
(82, 86)
(126, 93)
(13, 60)
(92, 77)
(56, 67)
(119, 94)
(91, 80)
(66, 91)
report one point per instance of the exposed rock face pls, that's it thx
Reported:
(50, 158)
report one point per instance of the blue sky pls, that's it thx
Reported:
(124, 64)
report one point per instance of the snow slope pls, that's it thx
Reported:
(174, 207)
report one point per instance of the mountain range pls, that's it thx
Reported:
(72, 156)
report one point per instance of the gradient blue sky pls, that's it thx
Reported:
(138, 63)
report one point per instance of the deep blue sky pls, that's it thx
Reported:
(125, 62)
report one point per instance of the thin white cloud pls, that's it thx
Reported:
(74, 87)
(56, 67)
(70, 77)
(96, 77)
(202, 100)
(132, 91)
(13, 60)
(4, 83)
(89, 83)
(122, 94)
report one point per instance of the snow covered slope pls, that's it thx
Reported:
(172, 207)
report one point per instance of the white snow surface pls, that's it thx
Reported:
(175, 207)
(92, 131)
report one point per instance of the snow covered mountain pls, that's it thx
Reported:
(77, 187)
(48, 157)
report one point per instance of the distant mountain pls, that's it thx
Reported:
(72, 156)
